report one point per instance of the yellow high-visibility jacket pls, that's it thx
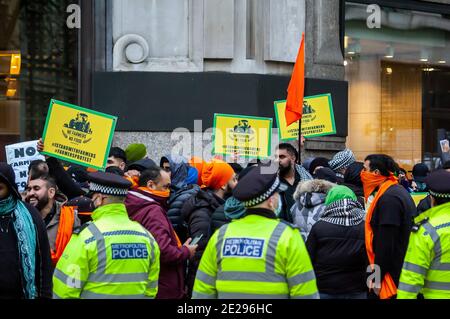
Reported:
(110, 258)
(426, 269)
(255, 257)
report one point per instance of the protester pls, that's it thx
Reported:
(337, 248)
(425, 269)
(25, 266)
(309, 204)
(318, 162)
(117, 158)
(352, 179)
(261, 257)
(136, 168)
(164, 163)
(237, 168)
(403, 179)
(135, 152)
(198, 164)
(340, 162)
(183, 186)
(230, 210)
(325, 173)
(290, 174)
(420, 172)
(148, 206)
(112, 257)
(388, 221)
(59, 219)
(219, 180)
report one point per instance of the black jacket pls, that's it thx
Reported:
(218, 219)
(391, 224)
(338, 255)
(176, 202)
(11, 277)
(197, 212)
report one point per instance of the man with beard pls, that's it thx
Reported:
(290, 173)
(60, 220)
(219, 180)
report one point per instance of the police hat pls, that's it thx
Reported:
(439, 183)
(108, 184)
(256, 187)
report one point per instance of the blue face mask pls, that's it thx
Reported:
(280, 206)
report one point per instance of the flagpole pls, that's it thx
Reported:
(300, 142)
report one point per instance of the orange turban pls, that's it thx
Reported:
(198, 164)
(216, 174)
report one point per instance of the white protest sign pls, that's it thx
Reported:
(19, 156)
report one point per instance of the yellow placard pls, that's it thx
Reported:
(78, 135)
(317, 119)
(245, 136)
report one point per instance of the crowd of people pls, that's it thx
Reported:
(186, 228)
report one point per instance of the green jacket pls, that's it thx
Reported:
(427, 263)
(255, 257)
(112, 257)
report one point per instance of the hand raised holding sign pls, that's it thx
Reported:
(40, 147)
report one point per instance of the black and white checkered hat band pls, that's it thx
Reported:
(107, 190)
(439, 195)
(263, 197)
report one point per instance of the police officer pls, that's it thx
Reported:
(111, 257)
(426, 269)
(257, 256)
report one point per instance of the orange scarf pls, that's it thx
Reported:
(370, 182)
(65, 229)
(162, 194)
(133, 180)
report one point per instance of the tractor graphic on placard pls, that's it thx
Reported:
(80, 123)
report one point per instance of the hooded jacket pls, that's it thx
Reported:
(309, 204)
(197, 212)
(179, 170)
(150, 212)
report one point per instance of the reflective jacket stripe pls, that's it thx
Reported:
(220, 238)
(409, 288)
(437, 285)
(301, 278)
(122, 278)
(67, 280)
(204, 277)
(101, 248)
(198, 295)
(313, 296)
(250, 276)
(92, 295)
(415, 268)
(236, 295)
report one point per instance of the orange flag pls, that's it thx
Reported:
(296, 89)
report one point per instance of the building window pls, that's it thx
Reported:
(38, 62)
(398, 77)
